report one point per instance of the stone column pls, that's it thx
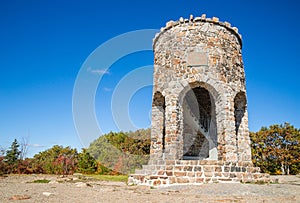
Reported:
(243, 141)
(226, 125)
(172, 139)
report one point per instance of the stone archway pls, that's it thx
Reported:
(199, 125)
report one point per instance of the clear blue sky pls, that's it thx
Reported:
(43, 45)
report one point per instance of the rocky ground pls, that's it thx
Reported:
(21, 188)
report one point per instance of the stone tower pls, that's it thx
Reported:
(199, 127)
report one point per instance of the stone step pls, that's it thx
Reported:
(196, 178)
(203, 168)
(191, 172)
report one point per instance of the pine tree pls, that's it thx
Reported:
(13, 153)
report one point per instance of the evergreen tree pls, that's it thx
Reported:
(13, 153)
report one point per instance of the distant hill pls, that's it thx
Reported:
(122, 151)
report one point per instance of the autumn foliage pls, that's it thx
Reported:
(276, 149)
(115, 153)
(56, 160)
(122, 152)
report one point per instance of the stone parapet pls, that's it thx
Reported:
(203, 18)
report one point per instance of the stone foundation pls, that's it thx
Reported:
(196, 172)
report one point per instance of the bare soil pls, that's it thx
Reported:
(21, 188)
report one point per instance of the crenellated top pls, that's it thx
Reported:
(203, 18)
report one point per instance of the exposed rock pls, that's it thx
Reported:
(82, 184)
(47, 194)
(20, 197)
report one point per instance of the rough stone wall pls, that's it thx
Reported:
(197, 172)
(199, 52)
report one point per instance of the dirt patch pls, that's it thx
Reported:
(23, 188)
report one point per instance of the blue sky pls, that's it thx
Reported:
(43, 45)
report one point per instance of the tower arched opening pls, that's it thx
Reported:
(199, 125)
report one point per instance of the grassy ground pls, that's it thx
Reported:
(41, 181)
(118, 178)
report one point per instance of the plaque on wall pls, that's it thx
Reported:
(197, 59)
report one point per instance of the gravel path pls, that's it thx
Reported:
(21, 188)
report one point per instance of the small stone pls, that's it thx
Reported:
(215, 19)
(170, 23)
(191, 17)
(81, 184)
(197, 19)
(47, 194)
(181, 19)
(77, 174)
(19, 197)
(227, 24)
(235, 29)
(203, 16)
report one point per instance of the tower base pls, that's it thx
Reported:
(165, 173)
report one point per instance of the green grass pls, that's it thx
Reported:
(41, 181)
(116, 178)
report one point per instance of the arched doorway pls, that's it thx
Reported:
(199, 125)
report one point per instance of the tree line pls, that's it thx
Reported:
(112, 153)
(56, 160)
(275, 149)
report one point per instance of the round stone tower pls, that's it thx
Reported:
(199, 96)
(199, 127)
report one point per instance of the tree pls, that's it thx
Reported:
(56, 160)
(86, 163)
(276, 149)
(122, 152)
(13, 153)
